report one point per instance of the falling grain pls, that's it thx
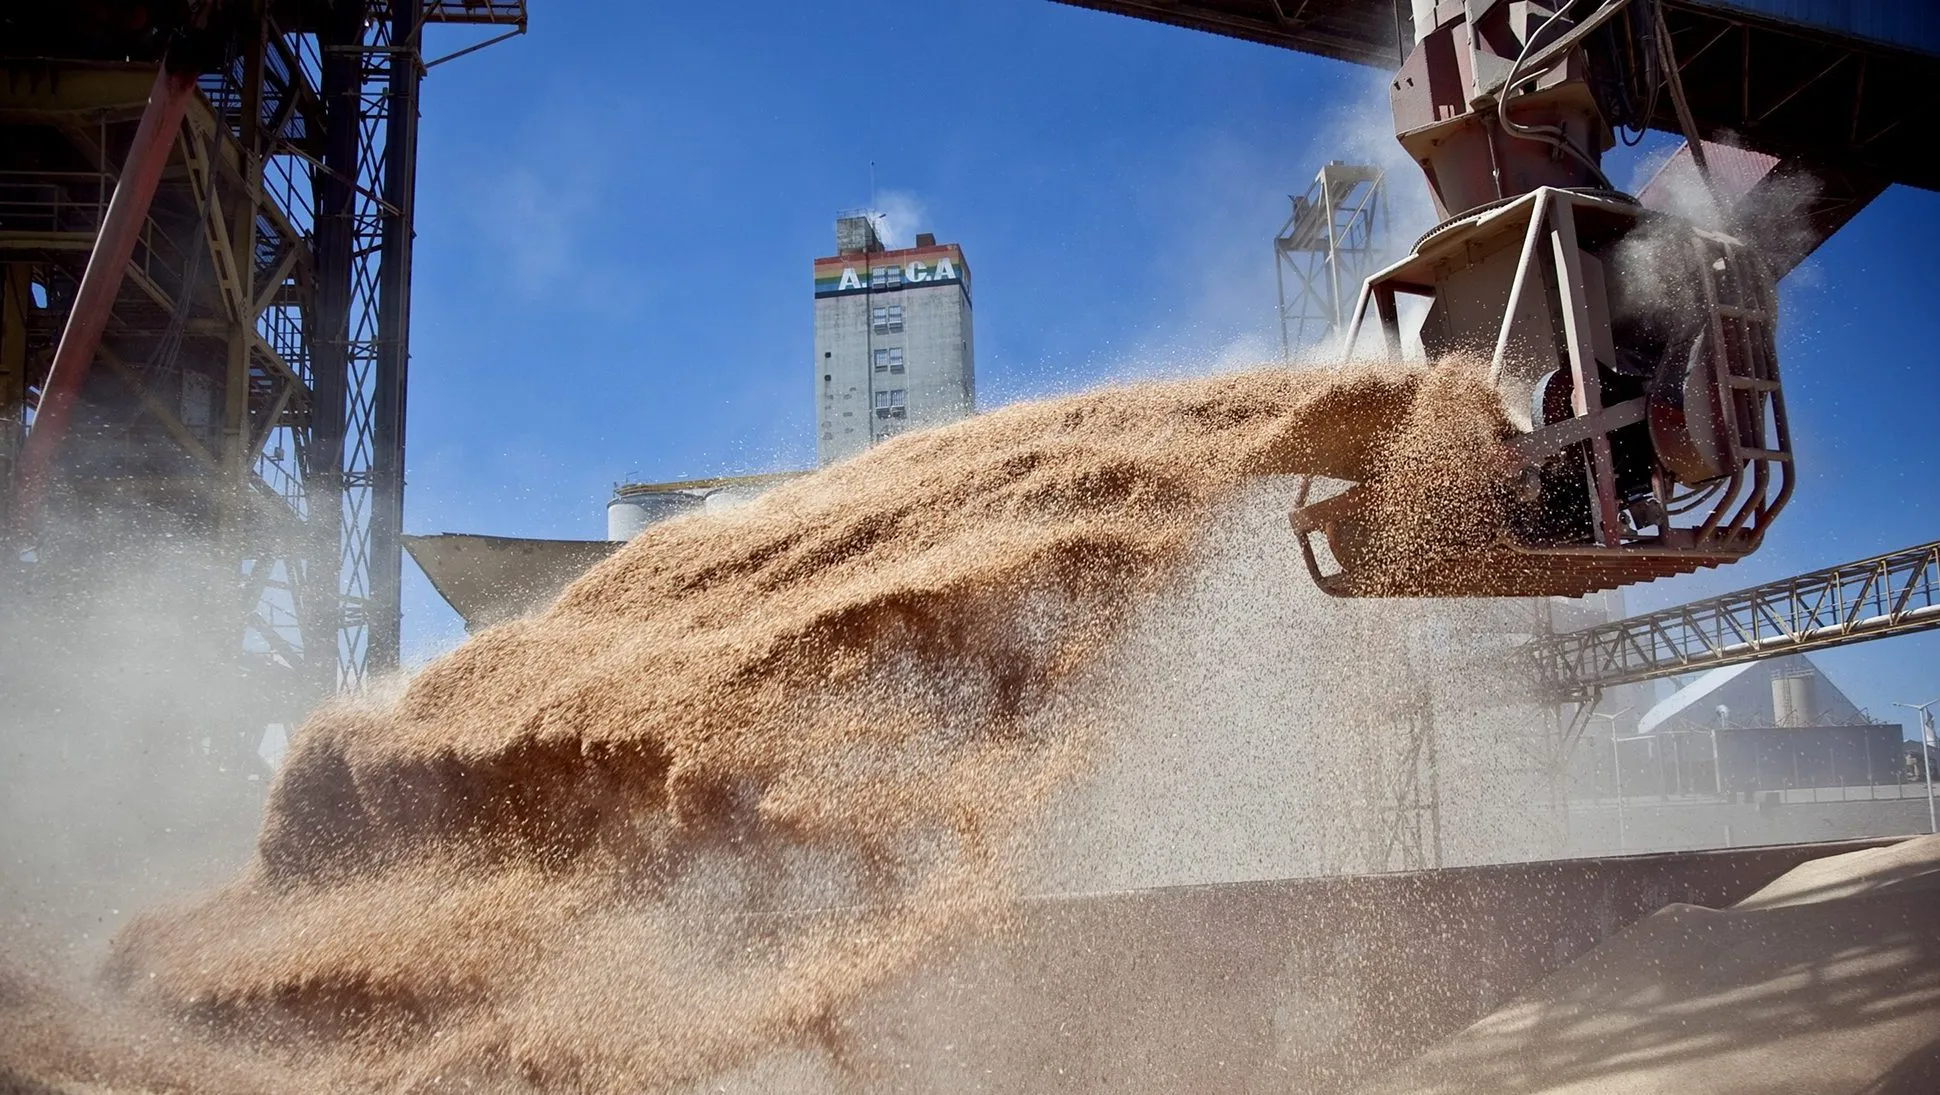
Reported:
(576, 853)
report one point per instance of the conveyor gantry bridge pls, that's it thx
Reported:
(1893, 594)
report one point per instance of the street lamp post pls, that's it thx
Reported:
(1928, 743)
(1717, 766)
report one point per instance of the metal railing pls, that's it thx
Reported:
(53, 201)
(1776, 796)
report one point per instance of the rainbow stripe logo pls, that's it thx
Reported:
(943, 266)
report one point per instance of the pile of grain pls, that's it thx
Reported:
(565, 856)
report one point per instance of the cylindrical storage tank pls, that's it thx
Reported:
(632, 509)
(1793, 700)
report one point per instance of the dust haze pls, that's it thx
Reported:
(133, 727)
(1036, 650)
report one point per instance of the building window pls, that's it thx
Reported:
(895, 359)
(882, 361)
(892, 403)
(887, 319)
(895, 317)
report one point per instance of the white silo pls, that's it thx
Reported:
(633, 507)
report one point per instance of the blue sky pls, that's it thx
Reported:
(617, 211)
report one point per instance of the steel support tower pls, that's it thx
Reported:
(248, 393)
(368, 75)
(1334, 237)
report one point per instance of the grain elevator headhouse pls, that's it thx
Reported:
(892, 338)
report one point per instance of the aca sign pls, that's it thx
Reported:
(944, 270)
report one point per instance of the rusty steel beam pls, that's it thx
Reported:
(1893, 594)
(94, 299)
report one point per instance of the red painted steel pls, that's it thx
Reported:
(114, 244)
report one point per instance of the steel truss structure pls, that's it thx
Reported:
(1892, 594)
(1410, 837)
(1334, 237)
(249, 390)
(368, 76)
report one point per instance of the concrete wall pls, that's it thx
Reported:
(936, 337)
(842, 390)
(1650, 824)
(1293, 986)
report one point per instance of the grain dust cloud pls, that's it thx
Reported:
(751, 770)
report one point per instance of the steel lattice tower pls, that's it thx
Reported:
(1334, 237)
(248, 393)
